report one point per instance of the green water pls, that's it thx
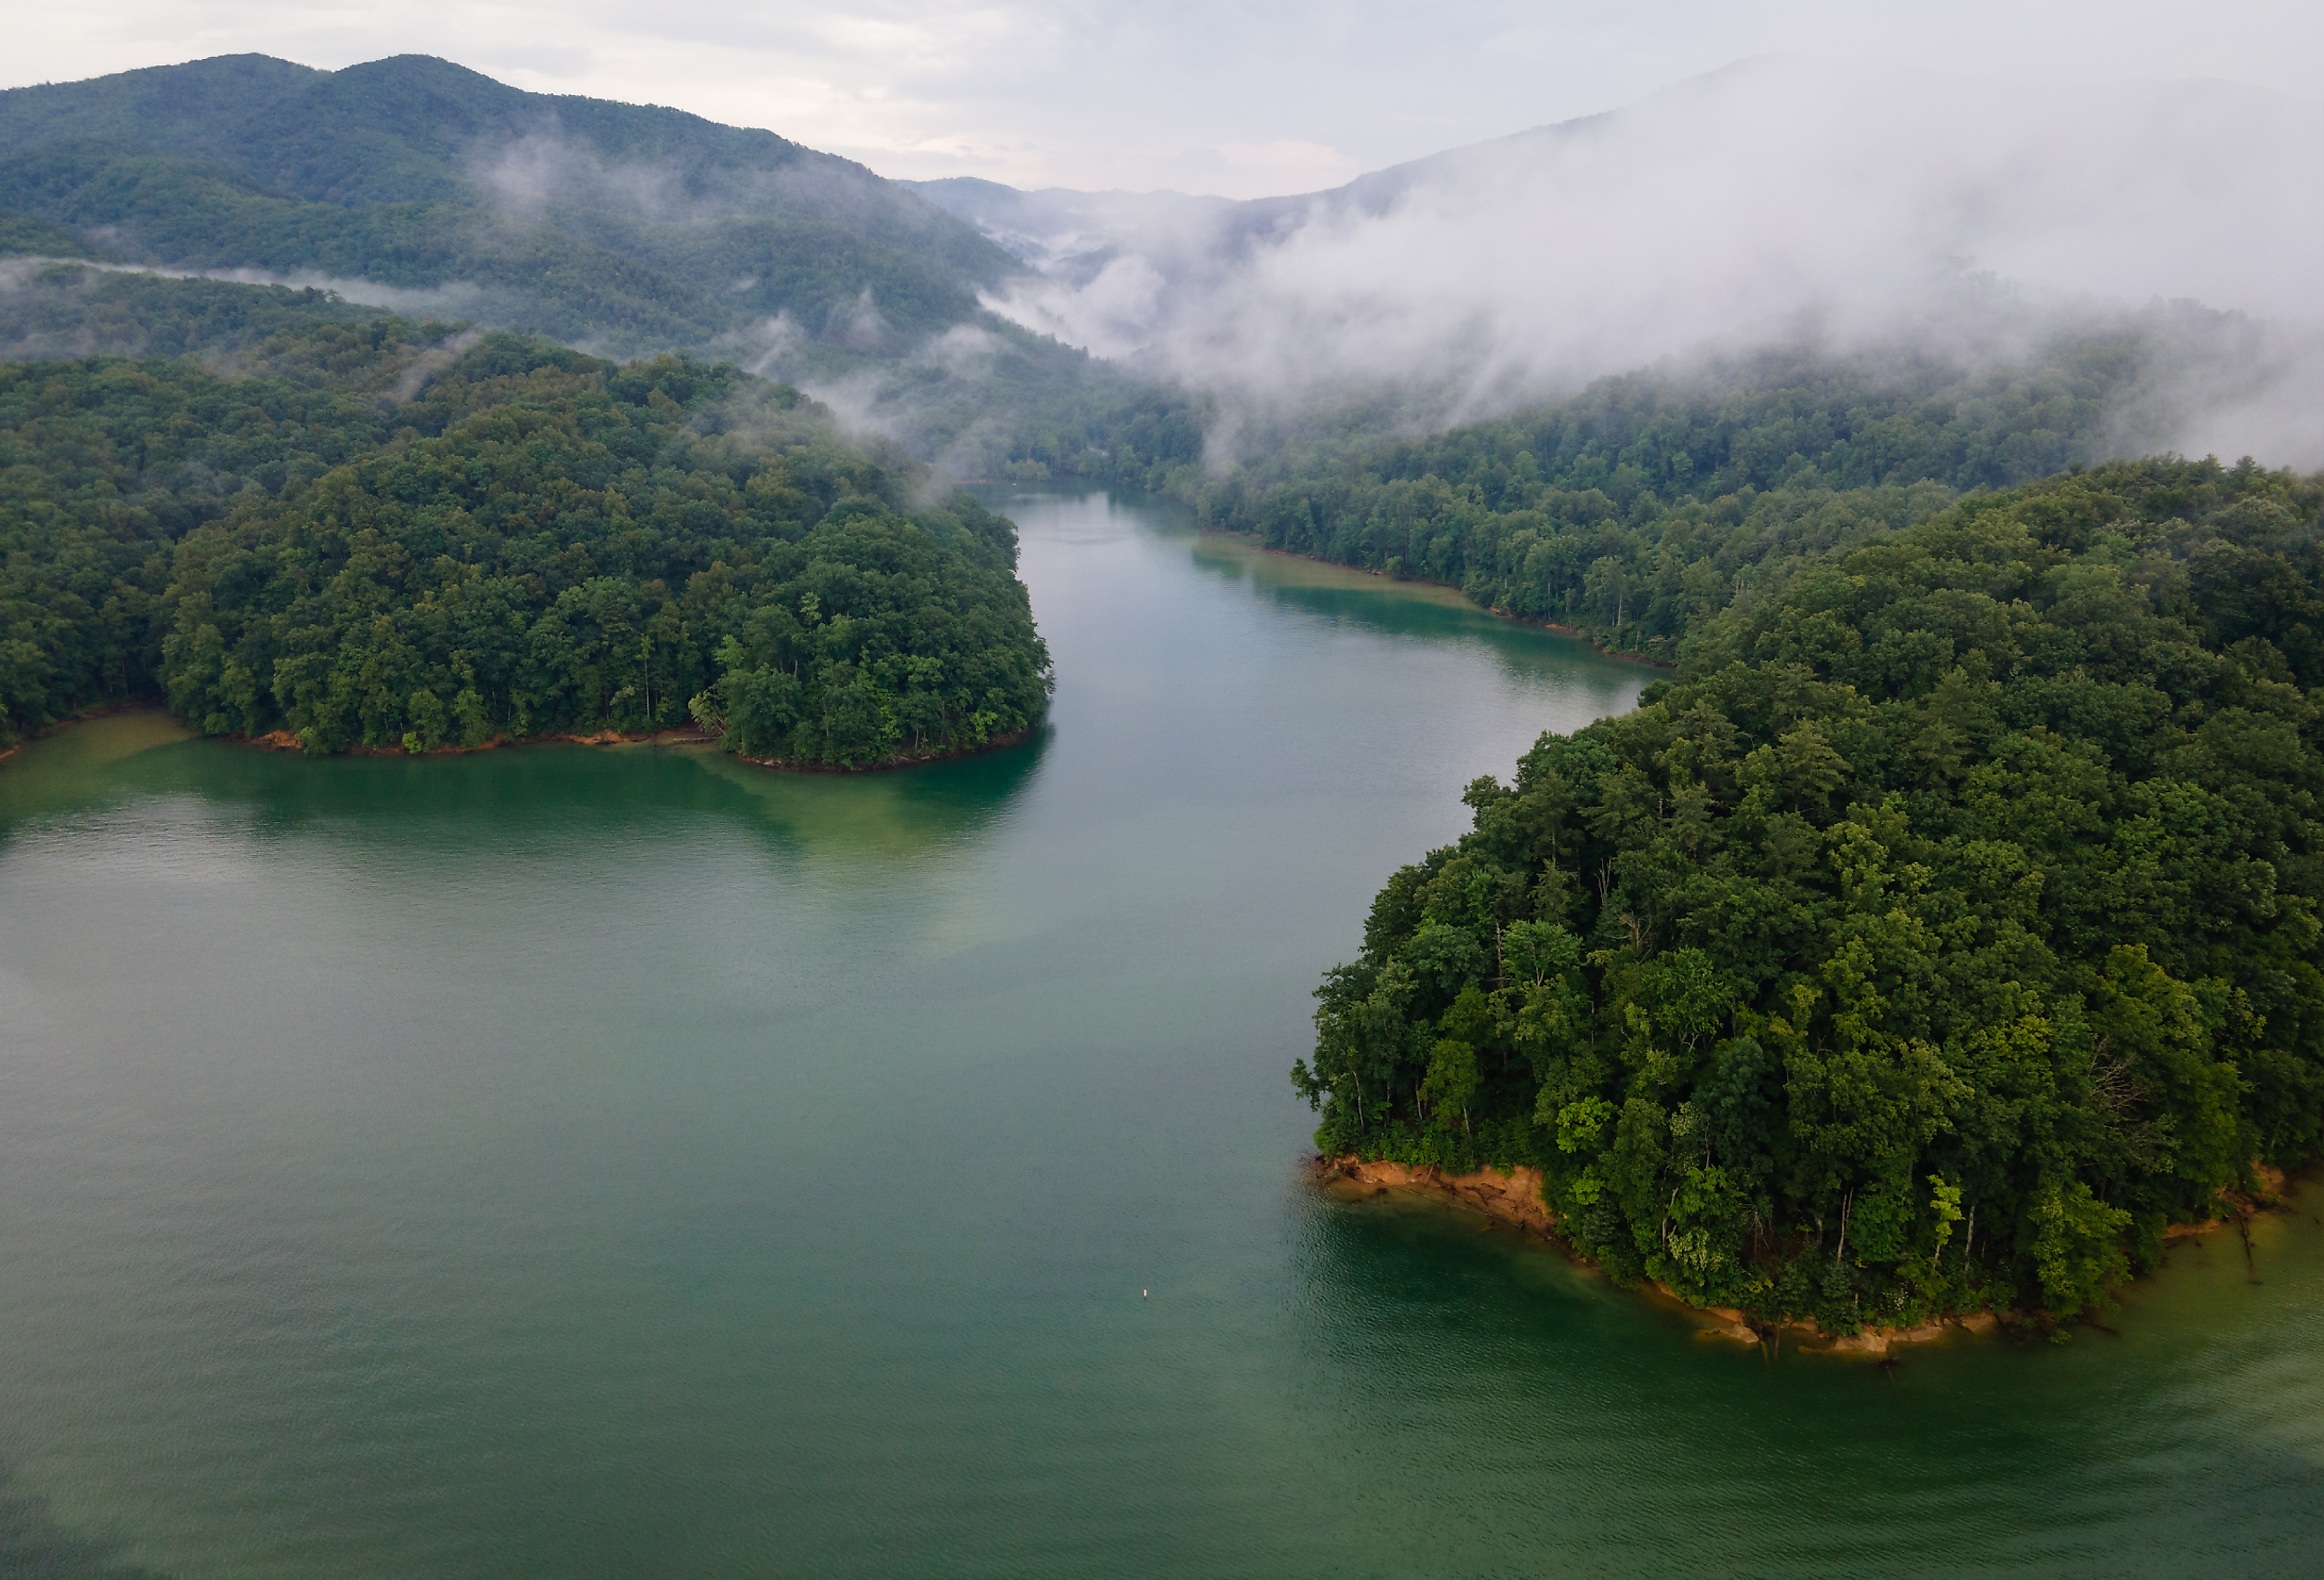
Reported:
(622, 1162)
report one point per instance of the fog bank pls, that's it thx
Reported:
(1780, 201)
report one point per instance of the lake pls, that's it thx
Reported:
(625, 1161)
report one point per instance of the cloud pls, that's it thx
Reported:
(1203, 95)
(1116, 314)
(431, 362)
(453, 300)
(1777, 200)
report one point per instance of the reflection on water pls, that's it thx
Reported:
(33, 1543)
(2187, 1437)
(1333, 594)
(1436, 614)
(144, 754)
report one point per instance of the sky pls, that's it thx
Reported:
(1214, 96)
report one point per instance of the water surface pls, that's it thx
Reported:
(617, 1162)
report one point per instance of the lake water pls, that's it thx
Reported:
(626, 1163)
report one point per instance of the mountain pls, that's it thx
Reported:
(1775, 201)
(418, 186)
(416, 182)
(1070, 235)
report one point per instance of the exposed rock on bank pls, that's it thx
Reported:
(1515, 1198)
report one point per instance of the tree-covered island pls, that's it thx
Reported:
(376, 534)
(1941, 932)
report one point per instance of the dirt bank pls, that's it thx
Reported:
(1000, 744)
(2241, 1209)
(1516, 1198)
(284, 741)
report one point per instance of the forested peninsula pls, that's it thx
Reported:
(361, 532)
(1945, 929)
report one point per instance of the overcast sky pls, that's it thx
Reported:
(1215, 95)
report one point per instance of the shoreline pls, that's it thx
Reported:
(684, 736)
(680, 736)
(102, 710)
(285, 742)
(1576, 631)
(1000, 744)
(1514, 1196)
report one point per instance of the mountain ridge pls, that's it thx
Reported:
(251, 161)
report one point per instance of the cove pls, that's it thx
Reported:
(623, 1161)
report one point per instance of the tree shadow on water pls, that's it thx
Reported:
(34, 1545)
(922, 807)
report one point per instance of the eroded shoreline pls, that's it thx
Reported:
(284, 741)
(1515, 1198)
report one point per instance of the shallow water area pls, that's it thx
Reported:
(624, 1160)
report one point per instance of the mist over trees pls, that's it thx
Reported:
(417, 185)
(1651, 501)
(380, 535)
(636, 227)
(1775, 201)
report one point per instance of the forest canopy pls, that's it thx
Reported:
(385, 535)
(1647, 503)
(1945, 928)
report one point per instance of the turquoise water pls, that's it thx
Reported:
(624, 1162)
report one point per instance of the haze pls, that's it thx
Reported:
(1775, 200)
(1555, 192)
(1210, 98)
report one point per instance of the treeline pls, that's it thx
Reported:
(1148, 437)
(1943, 931)
(53, 311)
(21, 236)
(1651, 501)
(375, 537)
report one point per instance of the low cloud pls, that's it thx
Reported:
(431, 362)
(1777, 201)
(454, 300)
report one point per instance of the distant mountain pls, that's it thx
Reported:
(417, 185)
(421, 183)
(1775, 201)
(1071, 236)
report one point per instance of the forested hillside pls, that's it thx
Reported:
(1650, 502)
(626, 230)
(640, 227)
(1946, 929)
(372, 534)
(23, 236)
(50, 311)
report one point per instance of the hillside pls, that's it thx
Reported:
(1944, 933)
(418, 186)
(366, 533)
(632, 225)
(1775, 202)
